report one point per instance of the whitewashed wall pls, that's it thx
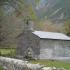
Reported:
(50, 49)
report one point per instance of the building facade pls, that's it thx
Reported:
(43, 45)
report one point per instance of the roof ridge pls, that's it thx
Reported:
(51, 35)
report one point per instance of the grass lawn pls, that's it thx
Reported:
(7, 52)
(52, 63)
(1, 68)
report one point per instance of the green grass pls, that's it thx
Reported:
(7, 52)
(1, 68)
(51, 63)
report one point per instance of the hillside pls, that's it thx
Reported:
(48, 15)
(56, 10)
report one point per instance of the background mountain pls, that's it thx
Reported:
(53, 9)
(12, 18)
(48, 15)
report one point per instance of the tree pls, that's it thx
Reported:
(12, 14)
(66, 28)
(1, 27)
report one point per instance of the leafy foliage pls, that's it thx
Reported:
(12, 14)
(67, 28)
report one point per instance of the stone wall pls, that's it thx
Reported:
(28, 40)
(15, 64)
(54, 49)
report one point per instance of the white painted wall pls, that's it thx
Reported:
(50, 49)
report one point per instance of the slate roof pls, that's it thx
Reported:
(51, 35)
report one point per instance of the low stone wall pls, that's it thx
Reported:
(15, 64)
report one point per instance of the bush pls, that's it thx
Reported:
(28, 57)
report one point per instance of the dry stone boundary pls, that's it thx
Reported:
(16, 64)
